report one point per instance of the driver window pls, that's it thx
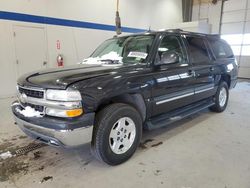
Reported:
(169, 44)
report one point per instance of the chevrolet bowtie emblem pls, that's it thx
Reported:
(23, 97)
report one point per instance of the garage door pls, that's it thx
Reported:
(235, 30)
(30, 46)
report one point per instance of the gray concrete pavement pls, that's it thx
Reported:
(208, 150)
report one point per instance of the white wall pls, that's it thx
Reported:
(78, 43)
(195, 26)
(208, 12)
(235, 27)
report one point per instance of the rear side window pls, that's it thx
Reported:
(221, 49)
(197, 50)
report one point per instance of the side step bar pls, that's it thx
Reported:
(176, 115)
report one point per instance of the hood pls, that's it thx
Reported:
(60, 78)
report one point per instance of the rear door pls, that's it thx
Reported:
(173, 86)
(203, 67)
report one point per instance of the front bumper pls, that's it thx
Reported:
(55, 131)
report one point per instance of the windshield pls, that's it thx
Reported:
(131, 49)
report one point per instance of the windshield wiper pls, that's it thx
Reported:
(111, 61)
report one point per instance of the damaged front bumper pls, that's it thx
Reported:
(64, 132)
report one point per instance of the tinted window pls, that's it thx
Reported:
(169, 44)
(197, 50)
(221, 49)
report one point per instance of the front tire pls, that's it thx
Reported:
(221, 98)
(117, 133)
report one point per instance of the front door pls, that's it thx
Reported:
(173, 75)
(30, 47)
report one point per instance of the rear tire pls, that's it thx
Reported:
(117, 133)
(221, 98)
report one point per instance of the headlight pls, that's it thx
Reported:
(63, 95)
(65, 98)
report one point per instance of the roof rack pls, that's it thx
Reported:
(174, 30)
(171, 30)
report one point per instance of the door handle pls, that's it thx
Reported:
(44, 63)
(211, 69)
(191, 73)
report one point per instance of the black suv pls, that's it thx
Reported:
(129, 83)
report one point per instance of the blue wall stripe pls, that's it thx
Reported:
(62, 22)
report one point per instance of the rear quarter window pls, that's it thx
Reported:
(221, 49)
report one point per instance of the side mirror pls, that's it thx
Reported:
(169, 58)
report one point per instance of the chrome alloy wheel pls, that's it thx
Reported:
(122, 135)
(222, 97)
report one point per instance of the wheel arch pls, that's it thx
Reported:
(136, 100)
(227, 79)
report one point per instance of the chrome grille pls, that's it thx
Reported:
(26, 93)
(31, 92)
